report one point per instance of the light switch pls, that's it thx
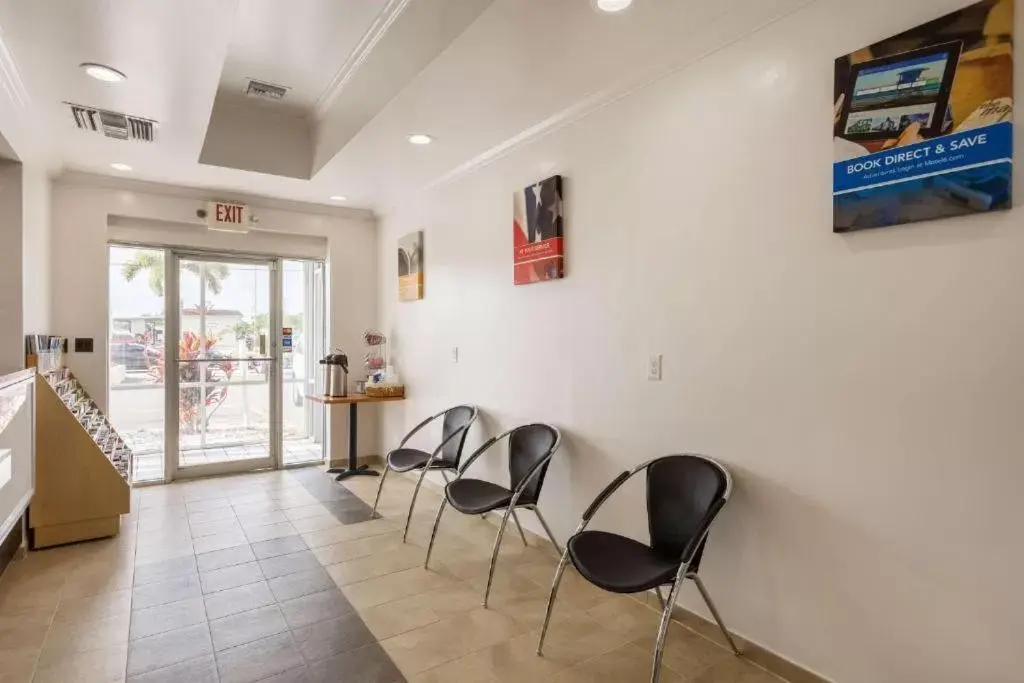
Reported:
(654, 368)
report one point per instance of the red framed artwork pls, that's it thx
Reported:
(537, 232)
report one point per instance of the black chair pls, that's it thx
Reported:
(530, 448)
(445, 457)
(684, 495)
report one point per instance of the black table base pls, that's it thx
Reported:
(346, 472)
(354, 469)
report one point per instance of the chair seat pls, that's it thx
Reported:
(619, 564)
(407, 459)
(476, 496)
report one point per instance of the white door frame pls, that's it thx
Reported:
(172, 331)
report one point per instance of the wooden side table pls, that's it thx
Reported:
(352, 402)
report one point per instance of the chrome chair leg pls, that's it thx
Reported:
(714, 611)
(519, 526)
(380, 488)
(551, 600)
(666, 618)
(412, 504)
(661, 598)
(433, 534)
(547, 529)
(494, 554)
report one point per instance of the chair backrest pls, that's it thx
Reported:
(527, 446)
(681, 490)
(455, 419)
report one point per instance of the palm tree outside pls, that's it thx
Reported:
(152, 262)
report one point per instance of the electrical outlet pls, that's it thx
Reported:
(455, 354)
(654, 368)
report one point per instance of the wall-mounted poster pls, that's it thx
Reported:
(537, 232)
(410, 267)
(924, 122)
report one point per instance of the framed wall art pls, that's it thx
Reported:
(923, 122)
(538, 232)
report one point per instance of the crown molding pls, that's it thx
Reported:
(10, 77)
(82, 179)
(385, 18)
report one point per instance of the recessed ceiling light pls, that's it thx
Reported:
(612, 5)
(339, 198)
(102, 72)
(117, 166)
(420, 139)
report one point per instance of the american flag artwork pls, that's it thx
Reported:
(537, 230)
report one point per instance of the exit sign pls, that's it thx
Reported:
(228, 216)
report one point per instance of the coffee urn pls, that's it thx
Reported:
(335, 367)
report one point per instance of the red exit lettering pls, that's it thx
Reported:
(229, 213)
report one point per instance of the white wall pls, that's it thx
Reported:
(85, 214)
(864, 389)
(37, 255)
(12, 344)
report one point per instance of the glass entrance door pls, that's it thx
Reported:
(223, 383)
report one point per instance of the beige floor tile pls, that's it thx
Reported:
(93, 607)
(632, 618)
(430, 646)
(317, 523)
(306, 511)
(379, 564)
(528, 609)
(93, 582)
(399, 616)
(574, 637)
(574, 589)
(735, 670)
(18, 665)
(95, 666)
(317, 539)
(220, 526)
(24, 629)
(65, 639)
(508, 580)
(160, 553)
(467, 669)
(21, 591)
(626, 664)
(516, 661)
(220, 541)
(687, 652)
(384, 589)
(448, 599)
(356, 548)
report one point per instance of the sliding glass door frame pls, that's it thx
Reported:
(173, 469)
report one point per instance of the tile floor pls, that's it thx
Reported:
(282, 577)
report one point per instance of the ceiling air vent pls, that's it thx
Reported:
(113, 124)
(265, 91)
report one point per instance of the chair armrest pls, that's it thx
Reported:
(605, 495)
(417, 428)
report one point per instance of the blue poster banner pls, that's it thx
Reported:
(960, 151)
(923, 122)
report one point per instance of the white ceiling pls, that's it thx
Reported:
(481, 76)
(297, 44)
